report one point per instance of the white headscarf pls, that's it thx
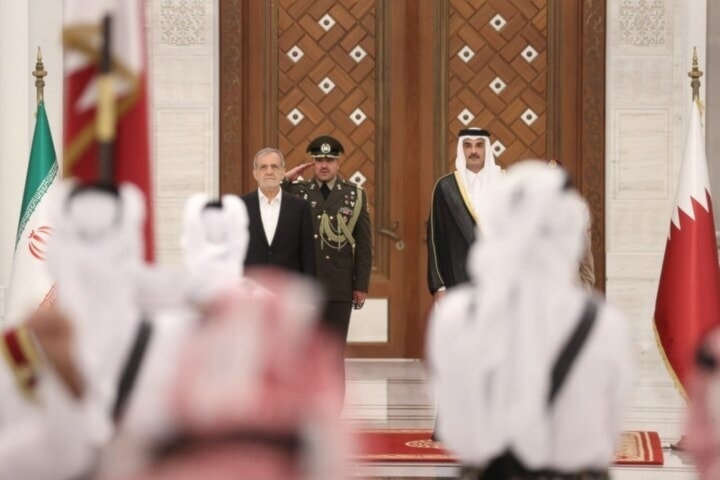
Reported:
(215, 241)
(504, 328)
(95, 256)
(487, 177)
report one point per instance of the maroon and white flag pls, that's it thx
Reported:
(82, 40)
(688, 299)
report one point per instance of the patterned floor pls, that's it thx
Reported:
(394, 394)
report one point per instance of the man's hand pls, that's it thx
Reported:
(54, 333)
(359, 299)
(296, 171)
(439, 294)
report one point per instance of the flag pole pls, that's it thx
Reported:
(106, 115)
(39, 73)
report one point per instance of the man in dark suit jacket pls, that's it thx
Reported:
(281, 228)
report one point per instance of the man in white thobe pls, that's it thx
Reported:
(508, 413)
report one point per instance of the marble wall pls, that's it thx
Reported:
(183, 42)
(648, 99)
(713, 101)
(14, 131)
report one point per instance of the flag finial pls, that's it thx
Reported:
(39, 73)
(695, 75)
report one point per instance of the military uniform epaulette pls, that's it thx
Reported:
(351, 184)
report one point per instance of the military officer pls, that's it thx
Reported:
(342, 231)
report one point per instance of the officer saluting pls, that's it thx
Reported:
(342, 231)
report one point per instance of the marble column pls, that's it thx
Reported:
(14, 117)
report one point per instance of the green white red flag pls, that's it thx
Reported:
(30, 285)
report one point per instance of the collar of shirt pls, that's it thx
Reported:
(330, 184)
(265, 201)
(473, 178)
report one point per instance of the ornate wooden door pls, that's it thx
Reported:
(394, 80)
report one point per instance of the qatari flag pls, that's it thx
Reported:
(82, 41)
(688, 299)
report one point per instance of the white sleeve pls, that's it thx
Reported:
(49, 442)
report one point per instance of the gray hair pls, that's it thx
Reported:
(268, 151)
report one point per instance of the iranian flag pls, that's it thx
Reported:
(82, 40)
(688, 300)
(30, 284)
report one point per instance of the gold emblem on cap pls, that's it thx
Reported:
(325, 148)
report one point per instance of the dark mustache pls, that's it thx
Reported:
(474, 155)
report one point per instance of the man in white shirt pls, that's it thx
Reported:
(281, 228)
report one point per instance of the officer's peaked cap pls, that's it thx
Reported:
(325, 146)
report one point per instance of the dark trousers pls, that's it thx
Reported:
(336, 321)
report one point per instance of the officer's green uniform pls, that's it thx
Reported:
(342, 245)
(343, 238)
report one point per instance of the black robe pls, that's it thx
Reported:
(451, 231)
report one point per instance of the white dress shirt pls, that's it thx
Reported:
(270, 213)
(474, 189)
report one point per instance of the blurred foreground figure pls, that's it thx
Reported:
(254, 394)
(58, 414)
(243, 385)
(44, 432)
(530, 371)
(214, 242)
(704, 422)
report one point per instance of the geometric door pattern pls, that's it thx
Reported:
(497, 75)
(326, 82)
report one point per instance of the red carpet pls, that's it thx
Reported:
(415, 446)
